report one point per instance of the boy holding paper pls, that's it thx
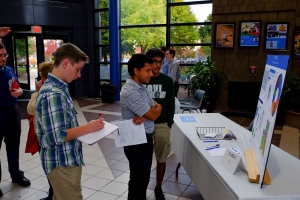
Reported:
(137, 104)
(57, 126)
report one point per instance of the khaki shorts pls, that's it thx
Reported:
(162, 144)
(66, 183)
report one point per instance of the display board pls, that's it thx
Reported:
(267, 108)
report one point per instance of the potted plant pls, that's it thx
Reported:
(206, 76)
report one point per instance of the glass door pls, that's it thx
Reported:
(25, 61)
(29, 52)
(50, 46)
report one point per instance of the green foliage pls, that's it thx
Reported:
(206, 76)
(290, 96)
(103, 4)
(152, 12)
(205, 35)
(137, 13)
(21, 47)
(183, 34)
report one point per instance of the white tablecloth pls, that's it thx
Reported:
(213, 180)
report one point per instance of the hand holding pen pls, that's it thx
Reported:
(100, 116)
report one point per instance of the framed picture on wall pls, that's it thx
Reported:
(296, 44)
(249, 33)
(276, 36)
(224, 35)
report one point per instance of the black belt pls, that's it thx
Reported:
(7, 107)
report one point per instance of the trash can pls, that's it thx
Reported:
(108, 92)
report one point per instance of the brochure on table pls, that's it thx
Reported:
(267, 108)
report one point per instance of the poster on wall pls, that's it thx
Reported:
(267, 107)
(224, 35)
(296, 46)
(276, 36)
(250, 34)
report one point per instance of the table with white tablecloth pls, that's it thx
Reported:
(213, 180)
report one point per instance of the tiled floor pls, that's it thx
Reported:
(106, 173)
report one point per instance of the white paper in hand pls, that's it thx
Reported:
(129, 133)
(92, 138)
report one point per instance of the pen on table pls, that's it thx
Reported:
(210, 141)
(209, 148)
(235, 150)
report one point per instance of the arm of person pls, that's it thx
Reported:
(55, 118)
(17, 93)
(172, 72)
(178, 72)
(89, 127)
(31, 104)
(170, 108)
(4, 31)
(154, 112)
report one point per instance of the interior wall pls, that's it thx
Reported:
(54, 16)
(236, 62)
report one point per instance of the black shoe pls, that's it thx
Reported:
(159, 195)
(1, 193)
(23, 181)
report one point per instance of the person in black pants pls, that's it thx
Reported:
(138, 106)
(10, 120)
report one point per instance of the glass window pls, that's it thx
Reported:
(135, 12)
(191, 13)
(101, 3)
(124, 73)
(183, 77)
(50, 46)
(102, 36)
(190, 34)
(105, 71)
(191, 54)
(180, 1)
(102, 19)
(104, 54)
(139, 40)
(184, 34)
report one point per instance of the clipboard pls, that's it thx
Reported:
(92, 138)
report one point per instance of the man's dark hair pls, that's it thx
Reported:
(2, 46)
(70, 51)
(171, 51)
(138, 61)
(163, 49)
(154, 52)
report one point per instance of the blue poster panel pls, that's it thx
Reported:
(250, 34)
(267, 108)
(276, 36)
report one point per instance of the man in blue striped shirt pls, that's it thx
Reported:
(57, 126)
(137, 104)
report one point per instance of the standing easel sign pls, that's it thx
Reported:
(266, 112)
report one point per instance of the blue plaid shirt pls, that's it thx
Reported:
(55, 113)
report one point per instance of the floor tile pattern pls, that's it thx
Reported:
(106, 173)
